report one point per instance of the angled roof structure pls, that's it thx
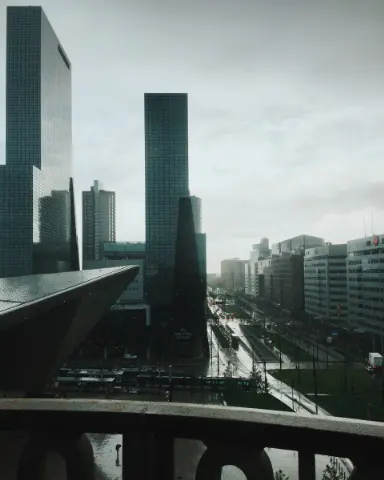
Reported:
(44, 317)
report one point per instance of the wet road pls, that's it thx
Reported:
(104, 445)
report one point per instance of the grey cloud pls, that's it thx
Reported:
(285, 108)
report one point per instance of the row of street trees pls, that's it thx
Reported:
(333, 471)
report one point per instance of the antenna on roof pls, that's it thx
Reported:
(373, 232)
(365, 228)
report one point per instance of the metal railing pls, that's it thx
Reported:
(232, 436)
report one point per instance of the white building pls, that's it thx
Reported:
(325, 283)
(247, 279)
(365, 285)
(259, 251)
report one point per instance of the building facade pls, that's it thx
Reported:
(247, 279)
(188, 327)
(201, 243)
(325, 283)
(259, 251)
(166, 181)
(99, 220)
(233, 274)
(115, 254)
(365, 285)
(299, 244)
(197, 213)
(288, 282)
(36, 208)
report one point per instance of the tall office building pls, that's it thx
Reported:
(365, 288)
(188, 327)
(37, 231)
(259, 251)
(99, 220)
(233, 274)
(325, 283)
(166, 181)
(197, 215)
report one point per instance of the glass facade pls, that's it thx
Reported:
(166, 181)
(36, 178)
(188, 326)
(196, 210)
(365, 284)
(99, 220)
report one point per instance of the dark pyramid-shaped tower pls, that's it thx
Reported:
(189, 323)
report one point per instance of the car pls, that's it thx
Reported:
(369, 369)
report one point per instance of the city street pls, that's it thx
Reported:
(243, 363)
(189, 452)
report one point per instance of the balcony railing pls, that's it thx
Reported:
(233, 436)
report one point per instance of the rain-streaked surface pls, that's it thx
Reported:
(17, 290)
(105, 446)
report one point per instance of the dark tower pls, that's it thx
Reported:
(74, 244)
(188, 326)
(166, 181)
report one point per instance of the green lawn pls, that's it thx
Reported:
(236, 396)
(349, 390)
(289, 348)
(294, 352)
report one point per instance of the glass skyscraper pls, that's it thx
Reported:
(36, 204)
(166, 181)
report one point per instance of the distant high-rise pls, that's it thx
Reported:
(99, 220)
(166, 181)
(36, 225)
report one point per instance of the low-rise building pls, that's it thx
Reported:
(325, 283)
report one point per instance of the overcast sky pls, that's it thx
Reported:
(286, 110)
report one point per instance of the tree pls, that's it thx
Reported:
(331, 471)
(257, 379)
(280, 475)
(228, 371)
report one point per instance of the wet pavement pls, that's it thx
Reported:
(188, 453)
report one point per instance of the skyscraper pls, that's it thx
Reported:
(196, 210)
(189, 327)
(201, 238)
(99, 220)
(166, 181)
(36, 204)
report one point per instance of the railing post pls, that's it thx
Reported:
(165, 463)
(307, 470)
(138, 456)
